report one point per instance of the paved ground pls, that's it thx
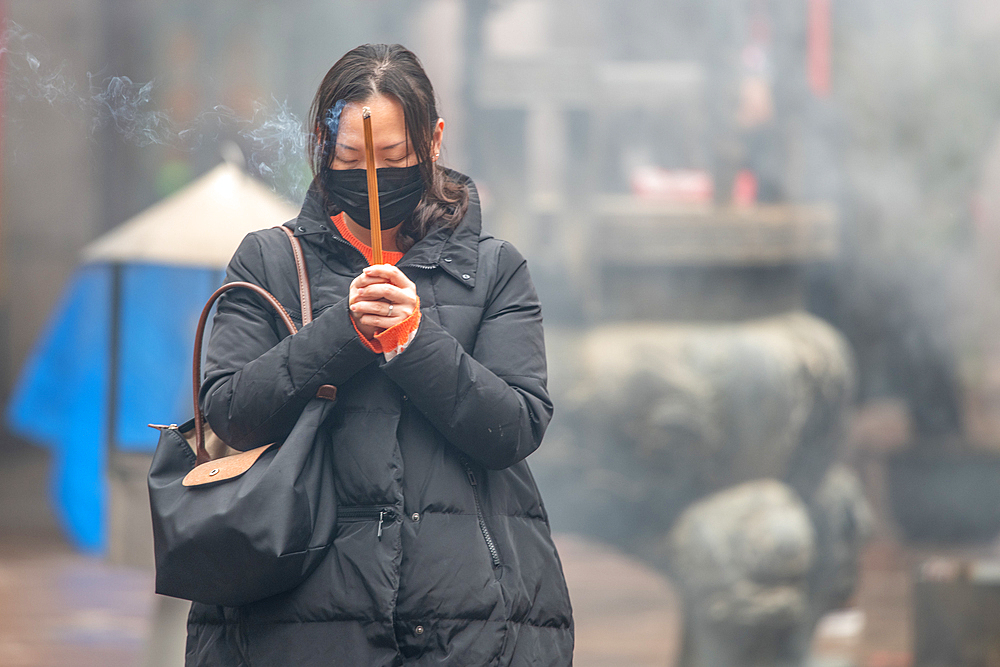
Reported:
(65, 609)
(625, 613)
(58, 607)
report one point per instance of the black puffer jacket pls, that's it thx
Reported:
(429, 449)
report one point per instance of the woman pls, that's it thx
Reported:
(443, 554)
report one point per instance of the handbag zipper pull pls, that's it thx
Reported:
(381, 515)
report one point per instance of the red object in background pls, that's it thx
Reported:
(745, 189)
(819, 47)
(672, 186)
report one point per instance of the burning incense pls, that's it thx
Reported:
(373, 212)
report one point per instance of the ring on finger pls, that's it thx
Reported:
(389, 314)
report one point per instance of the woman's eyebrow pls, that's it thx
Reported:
(358, 150)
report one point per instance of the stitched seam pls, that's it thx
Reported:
(249, 435)
(350, 619)
(368, 621)
(497, 288)
(365, 411)
(295, 391)
(327, 362)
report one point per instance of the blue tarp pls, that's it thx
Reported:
(61, 397)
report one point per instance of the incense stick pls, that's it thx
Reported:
(373, 211)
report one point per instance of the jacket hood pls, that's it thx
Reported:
(455, 250)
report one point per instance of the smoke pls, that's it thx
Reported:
(272, 137)
(124, 105)
(277, 142)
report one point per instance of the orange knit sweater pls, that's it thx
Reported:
(394, 339)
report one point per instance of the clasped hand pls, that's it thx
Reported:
(381, 297)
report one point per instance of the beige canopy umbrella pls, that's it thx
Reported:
(200, 225)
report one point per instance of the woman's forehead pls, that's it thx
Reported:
(388, 121)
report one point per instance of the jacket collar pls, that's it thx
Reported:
(456, 251)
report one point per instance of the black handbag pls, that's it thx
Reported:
(229, 527)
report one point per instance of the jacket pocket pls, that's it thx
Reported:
(382, 514)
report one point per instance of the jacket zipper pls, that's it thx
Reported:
(490, 544)
(382, 514)
(344, 241)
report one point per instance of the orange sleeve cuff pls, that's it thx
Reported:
(397, 337)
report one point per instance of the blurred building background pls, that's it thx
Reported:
(866, 134)
(887, 114)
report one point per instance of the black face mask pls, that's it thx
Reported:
(399, 191)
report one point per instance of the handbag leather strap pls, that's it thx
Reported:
(305, 293)
(328, 392)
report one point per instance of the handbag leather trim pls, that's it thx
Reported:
(225, 468)
(305, 293)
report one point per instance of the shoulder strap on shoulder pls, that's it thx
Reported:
(305, 293)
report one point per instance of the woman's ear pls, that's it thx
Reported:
(436, 139)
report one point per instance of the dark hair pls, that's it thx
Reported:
(384, 69)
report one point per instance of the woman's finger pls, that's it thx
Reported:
(380, 323)
(382, 309)
(364, 280)
(359, 284)
(389, 273)
(388, 292)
